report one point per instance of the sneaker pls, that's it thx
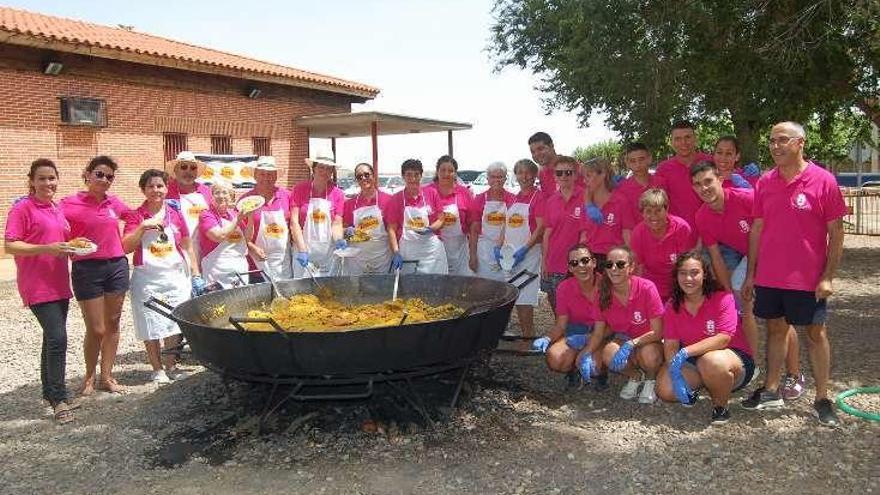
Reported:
(177, 374)
(160, 377)
(648, 395)
(824, 410)
(792, 387)
(630, 389)
(600, 383)
(762, 398)
(695, 396)
(572, 379)
(720, 415)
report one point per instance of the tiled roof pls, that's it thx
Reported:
(23, 27)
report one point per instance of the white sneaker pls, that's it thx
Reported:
(177, 374)
(630, 390)
(160, 377)
(648, 395)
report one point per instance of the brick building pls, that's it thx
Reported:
(70, 90)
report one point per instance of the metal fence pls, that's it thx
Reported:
(864, 211)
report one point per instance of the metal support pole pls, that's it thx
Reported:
(374, 137)
(333, 147)
(449, 142)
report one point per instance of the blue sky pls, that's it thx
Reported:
(428, 57)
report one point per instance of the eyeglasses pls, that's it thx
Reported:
(365, 175)
(781, 140)
(184, 167)
(567, 173)
(586, 260)
(610, 265)
(101, 175)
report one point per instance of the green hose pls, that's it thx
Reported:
(852, 410)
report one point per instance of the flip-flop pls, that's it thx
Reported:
(62, 414)
(73, 403)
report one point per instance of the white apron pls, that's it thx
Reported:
(163, 275)
(454, 241)
(319, 242)
(426, 249)
(229, 257)
(492, 224)
(191, 206)
(274, 239)
(516, 235)
(374, 255)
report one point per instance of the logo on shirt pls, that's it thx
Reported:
(495, 218)
(673, 257)
(710, 327)
(577, 212)
(161, 249)
(234, 236)
(227, 172)
(609, 220)
(274, 230)
(800, 202)
(319, 216)
(195, 210)
(247, 172)
(112, 213)
(369, 222)
(449, 219)
(744, 227)
(637, 318)
(416, 223)
(515, 221)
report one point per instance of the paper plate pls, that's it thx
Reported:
(83, 251)
(347, 252)
(249, 203)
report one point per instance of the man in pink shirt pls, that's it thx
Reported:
(638, 160)
(794, 250)
(544, 154)
(675, 171)
(193, 198)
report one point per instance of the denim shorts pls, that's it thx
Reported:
(748, 368)
(94, 278)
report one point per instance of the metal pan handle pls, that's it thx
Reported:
(160, 306)
(362, 394)
(240, 276)
(524, 273)
(416, 262)
(236, 322)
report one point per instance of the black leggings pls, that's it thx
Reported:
(52, 316)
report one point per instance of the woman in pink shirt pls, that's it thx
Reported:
(163, 263)
(100, 279)
(606, 210)
(524, 232)
(316, 220)
(577, 310)
(630, 326)
(726, 158)
(488, 215)
(364, 213)
(268, 227)
(703, 341)
(659, 239)
(221, 238)
(455, 200)
(35, 234)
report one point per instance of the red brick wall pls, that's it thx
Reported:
(142, 102)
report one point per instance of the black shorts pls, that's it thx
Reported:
(798, 307)
(748, 368)
(94, 278)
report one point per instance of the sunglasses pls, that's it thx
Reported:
(567, 173)
(363, 176)
(586, 260)
(610, 265)
(101, 175)
(185, 167)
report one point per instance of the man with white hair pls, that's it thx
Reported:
(794, 250)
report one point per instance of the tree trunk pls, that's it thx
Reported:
(748, 140)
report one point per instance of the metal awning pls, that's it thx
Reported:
(334, 126)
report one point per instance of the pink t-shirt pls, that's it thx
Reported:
(794, 239)
(173, 222)
(716, 315)
(461, 196)
(683, 200)
(174, 191)
(479, 204)
(632, 190)
(393, 213)
(730, 227)
(547, 178)
(357, 202)
(44, 277)
(96, 221)
(602, 237)
(657, 255)
(634, 317)
(571, 302)
(566, 220)
(536, 201)
(302, 193)
(279, 202)
(209, 219)
(727, 183)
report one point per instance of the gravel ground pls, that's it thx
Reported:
(518, 428)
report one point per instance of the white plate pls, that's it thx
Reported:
(83, 251)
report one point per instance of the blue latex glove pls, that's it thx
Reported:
(621, 357)
(752, 170)
(349, 231)
(302, 258)
(520, 255)
(496, 253)
(576, 341)
(173, 203)
(396, 261)
(586, 367)
(198, 285)
(680, 386)
(617, 179)
(541, 344)
(739, 182)
(341, 244)
(595, 213)
(425, 231)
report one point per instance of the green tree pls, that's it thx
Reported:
(610, 150)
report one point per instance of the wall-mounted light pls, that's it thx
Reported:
(53, 68)
(253, 93)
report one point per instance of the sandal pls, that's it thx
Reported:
(62, 415)
(73, 403)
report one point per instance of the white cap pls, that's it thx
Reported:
(266, 163)
(186, 156)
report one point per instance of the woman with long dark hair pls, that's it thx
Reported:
(455, 201)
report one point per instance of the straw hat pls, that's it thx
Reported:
(266, 163)
(184, 157)
(322, 159)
